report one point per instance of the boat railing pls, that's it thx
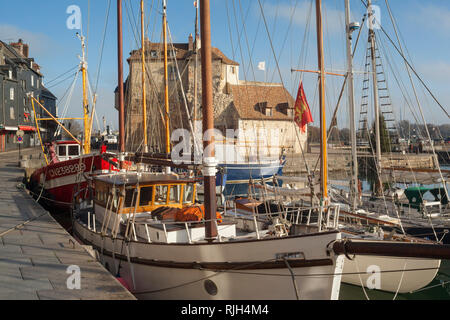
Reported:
(186, 225)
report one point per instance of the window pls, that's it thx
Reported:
(188, 194)
(130, 198)
(74, 150)
(11, 93)
(153, 54)
(10, 74)
(24, 84)
(269, 112)
(146, 196)
(161, 195)
(32, 81)
(37, 83)
(62, 151)
(233, 70)
(174, 194)
(12, 114)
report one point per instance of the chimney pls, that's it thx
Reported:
(191, 42)
(21, 48)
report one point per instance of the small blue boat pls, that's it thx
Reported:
(245, 171)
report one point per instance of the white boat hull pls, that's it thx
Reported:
(375, 275)
(239, 270)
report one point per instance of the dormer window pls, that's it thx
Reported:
(268, 112)
(153, 54)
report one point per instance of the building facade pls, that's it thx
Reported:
(20, 77)
(254, 110)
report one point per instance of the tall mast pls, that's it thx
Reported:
(120, 81)
(323, 122)
(351, 104)
(144, 95)
(166, 79)
(375, 85)
(196, 69)
(209, 160)
(86, 118)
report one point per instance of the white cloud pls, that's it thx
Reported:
(39, 43)
(436, 18)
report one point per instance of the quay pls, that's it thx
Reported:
(339, 160)
(39, 259)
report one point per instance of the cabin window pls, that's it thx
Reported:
(73, 151)
(146, 196)
(188, 194)
(130, 198)
(62, 151)
(161, 195)
(174, 194)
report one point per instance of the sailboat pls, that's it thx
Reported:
(69, 162)
(353, 224)
(147, 229)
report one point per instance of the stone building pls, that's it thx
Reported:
(19, 76)
(262, 112)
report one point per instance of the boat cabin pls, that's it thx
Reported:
(124, 194)
(144, 192)
(67, 150)
(426, 199)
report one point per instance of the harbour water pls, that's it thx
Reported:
(438, 289)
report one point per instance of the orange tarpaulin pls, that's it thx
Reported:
(195, 213)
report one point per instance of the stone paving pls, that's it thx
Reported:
(34, 258)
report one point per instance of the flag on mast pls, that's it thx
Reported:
(262, 66)
(302, 112)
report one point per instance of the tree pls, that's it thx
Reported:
(74, 128)
(385, 140)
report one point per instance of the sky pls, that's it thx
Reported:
(284, 29)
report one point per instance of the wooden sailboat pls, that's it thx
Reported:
(210, 257)
(358, 269)
(69, 161)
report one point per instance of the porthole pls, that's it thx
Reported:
(210, 287)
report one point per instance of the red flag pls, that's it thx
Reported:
(302, 112)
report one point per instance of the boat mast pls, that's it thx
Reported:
(376, 99)
(144, 94)
(351, 103)
(120, 82)
(195, 70)
(323, 123)
(166, 80)
(209, 160)
(86, 118)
